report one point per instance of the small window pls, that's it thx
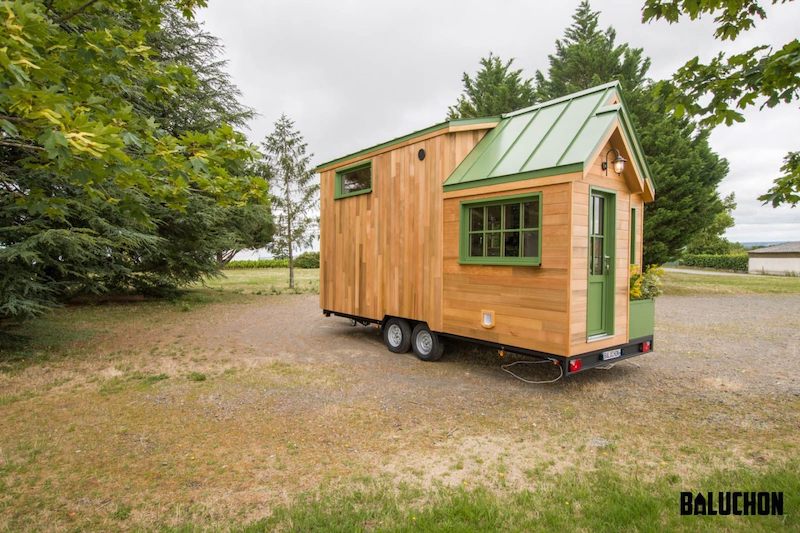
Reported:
(504, 231)
(354, 180)
(633, 237)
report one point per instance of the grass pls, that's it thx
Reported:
(596, 500)
(268, 281)
(684, 284)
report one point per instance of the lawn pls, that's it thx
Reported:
(685, 284)
(267, 281)
(234, 408)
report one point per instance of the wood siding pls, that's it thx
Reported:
(395, 251)
(530, 304)
(596, 177)
(381, 253)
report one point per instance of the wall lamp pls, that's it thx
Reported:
(619, 162)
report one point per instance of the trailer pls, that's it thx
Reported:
(515, 231)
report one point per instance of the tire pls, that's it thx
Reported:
(397, 335)
(426, 344)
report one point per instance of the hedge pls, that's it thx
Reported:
(259, 263)
(719, 262)
(304, 260)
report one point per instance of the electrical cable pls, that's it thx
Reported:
(505, 368)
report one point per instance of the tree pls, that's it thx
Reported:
(685, 169)
(94, 183)
(587, 57)
(718, 92)
(496, 89)
(711, 239)
(202, 106)
(294, 191)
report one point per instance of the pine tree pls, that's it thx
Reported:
(109, 179)
(496, 89)
(587, 57)
(293, 191)
(685, 169)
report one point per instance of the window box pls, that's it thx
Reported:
(641, 319)
(502, 231)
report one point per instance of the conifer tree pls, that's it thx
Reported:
(293, 191)
(685, 169)
(495, 89)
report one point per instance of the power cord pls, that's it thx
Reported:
(506, 367)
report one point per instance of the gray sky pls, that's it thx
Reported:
(353, 73)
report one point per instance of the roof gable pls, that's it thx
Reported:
(549, 138)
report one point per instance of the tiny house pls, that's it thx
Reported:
(515, 231)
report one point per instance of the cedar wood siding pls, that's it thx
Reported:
(381, 253)
(530, 303)
(395, 251)
(595, 177)
(542, 308)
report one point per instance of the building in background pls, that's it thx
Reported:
(782, 259)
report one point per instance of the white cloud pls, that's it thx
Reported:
(355, 73)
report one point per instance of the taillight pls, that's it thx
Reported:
(575, 365)
(644, 347)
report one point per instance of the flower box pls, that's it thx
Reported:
(642, 318)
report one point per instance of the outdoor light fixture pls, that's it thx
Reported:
(619, 162)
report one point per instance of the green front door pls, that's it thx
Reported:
(600, 298)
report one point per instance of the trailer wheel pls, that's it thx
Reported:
(426, 344)
(397, 335)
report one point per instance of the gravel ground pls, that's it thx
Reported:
(290, 400)
(748, 341)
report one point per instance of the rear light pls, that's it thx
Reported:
(575, 365)
(644, 347)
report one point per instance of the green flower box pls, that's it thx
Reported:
(642, 318)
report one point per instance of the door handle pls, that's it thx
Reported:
(607, 264)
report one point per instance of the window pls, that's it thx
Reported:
(502, 231)
(633, 237)
(354, 180)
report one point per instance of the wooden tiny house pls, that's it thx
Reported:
(516, 231)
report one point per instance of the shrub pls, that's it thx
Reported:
(719, 262)
(307, 260)
(647, 285)
(304, 260)
(259, 263)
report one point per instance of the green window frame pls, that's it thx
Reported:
(633, 237)
(343, 189)
(507, 230)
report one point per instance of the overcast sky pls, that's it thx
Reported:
(355, 73)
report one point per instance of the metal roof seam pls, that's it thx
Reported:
(544, 137)
(528, 125)
(586, 121)
(560, 99)
(495, 132)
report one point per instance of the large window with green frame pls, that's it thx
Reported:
(502, 231)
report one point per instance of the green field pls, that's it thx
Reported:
(687, 284)
(266, 281)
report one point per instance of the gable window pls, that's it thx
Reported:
(354, 180)
(502, 231)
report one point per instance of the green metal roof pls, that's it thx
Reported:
(550, 138)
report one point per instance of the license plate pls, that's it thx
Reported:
(611, 354)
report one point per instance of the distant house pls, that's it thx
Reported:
(781, 259)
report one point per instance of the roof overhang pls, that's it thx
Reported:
(449, 126)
